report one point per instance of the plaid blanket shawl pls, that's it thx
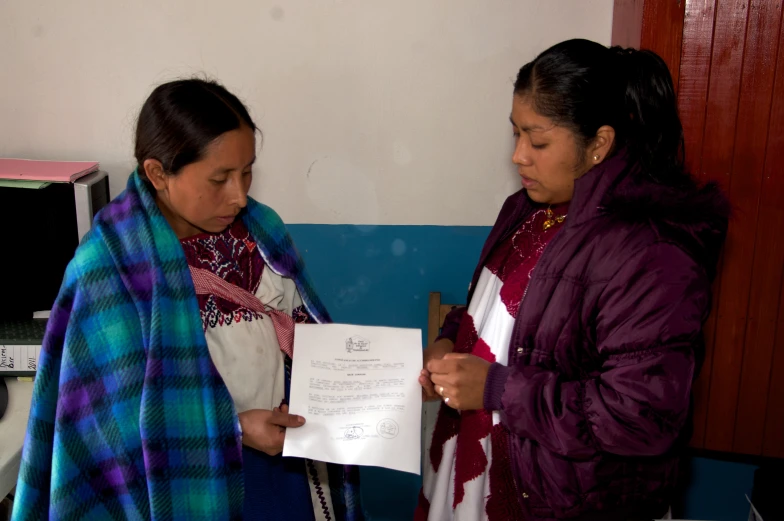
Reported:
(130, 418)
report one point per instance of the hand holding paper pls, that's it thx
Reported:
(265, 430)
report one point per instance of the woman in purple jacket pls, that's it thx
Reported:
(566, 383)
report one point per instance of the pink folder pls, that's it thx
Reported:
(54, 171)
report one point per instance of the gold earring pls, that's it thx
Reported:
(596, 157)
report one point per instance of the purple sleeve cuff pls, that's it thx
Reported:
(452, 324)
(449, 334)
(494, 386)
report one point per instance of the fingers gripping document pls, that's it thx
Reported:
(357, 388)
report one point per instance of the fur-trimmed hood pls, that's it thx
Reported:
(695, 217)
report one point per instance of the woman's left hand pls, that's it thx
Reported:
(460, 380)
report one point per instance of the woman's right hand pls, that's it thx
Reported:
(264, 430)
(434, 351)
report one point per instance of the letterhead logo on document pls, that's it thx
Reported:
(357, 344)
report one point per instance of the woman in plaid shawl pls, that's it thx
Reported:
(163, 379)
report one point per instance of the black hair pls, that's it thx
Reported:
(181, 118)
(583, 85)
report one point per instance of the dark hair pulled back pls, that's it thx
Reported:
(181, 118)
(583, 85)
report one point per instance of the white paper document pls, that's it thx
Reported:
(357, 388)
(16, 359)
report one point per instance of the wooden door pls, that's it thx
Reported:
(727, 60)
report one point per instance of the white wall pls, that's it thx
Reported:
(373, 112)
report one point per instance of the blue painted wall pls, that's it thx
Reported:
(717, 490)
(382, 275)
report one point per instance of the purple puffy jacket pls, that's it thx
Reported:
(606, 345)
